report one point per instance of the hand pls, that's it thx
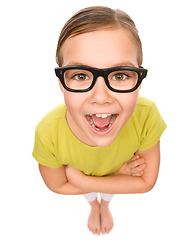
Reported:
(133, 167)
(73, 175)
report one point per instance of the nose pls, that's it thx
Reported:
(100, 93)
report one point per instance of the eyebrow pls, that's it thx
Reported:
(128, 64)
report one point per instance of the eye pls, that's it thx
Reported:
(81, 77)
(119, 77)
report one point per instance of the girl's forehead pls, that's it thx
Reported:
(100, 48)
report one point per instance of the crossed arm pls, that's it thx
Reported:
(128, 179)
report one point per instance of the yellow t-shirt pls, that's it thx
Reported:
(55, 144)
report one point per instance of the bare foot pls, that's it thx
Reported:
(94, 218)
(106, 217)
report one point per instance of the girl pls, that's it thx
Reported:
(104, 134)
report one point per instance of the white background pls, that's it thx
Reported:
(29, 31)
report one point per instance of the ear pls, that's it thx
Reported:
(60, 85)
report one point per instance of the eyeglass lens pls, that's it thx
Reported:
(79, 79)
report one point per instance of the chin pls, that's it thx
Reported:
(103, 142)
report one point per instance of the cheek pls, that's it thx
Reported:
(69, 100)
(130, 102)
(73, 102)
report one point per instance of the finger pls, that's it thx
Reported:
(138, 169)
(139, 174)
(136, 163)
(135, 157)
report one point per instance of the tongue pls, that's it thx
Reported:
(101, 122)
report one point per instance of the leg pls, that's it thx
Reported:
(94, 216)
(106, 216)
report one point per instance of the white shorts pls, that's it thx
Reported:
(90, 197)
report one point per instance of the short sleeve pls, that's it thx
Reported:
(43, 152)
(153, 128)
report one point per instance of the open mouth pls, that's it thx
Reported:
(101, 122)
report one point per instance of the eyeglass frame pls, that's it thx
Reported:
(141, 72)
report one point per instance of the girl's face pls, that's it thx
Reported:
(99, 49)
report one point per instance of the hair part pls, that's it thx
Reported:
(95, 18)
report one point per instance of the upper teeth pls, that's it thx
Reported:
(103, 115)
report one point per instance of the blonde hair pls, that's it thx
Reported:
(94, 18)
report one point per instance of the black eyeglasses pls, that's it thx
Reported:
(79, 78)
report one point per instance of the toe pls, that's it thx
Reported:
(109, 229)
(92, 230)
(98, 232)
